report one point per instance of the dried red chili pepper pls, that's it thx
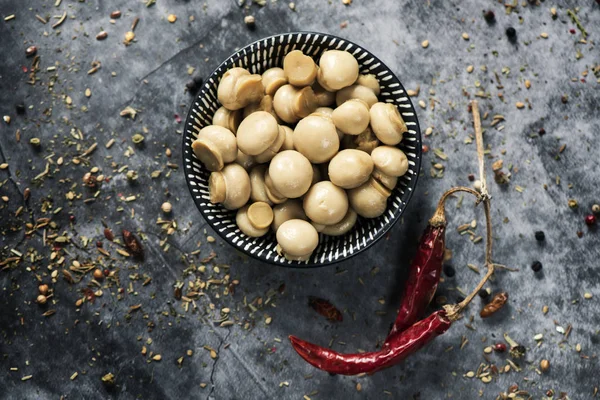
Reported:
(400, 347)
(325, 308)
(132, 243)
(497, 303)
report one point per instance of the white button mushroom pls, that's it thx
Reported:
(288, 143)
(257, 132)
(215, 146)
(272, 193)
(238, 88)
(251, 219)
(265, 104)
(316, 138)
(325, 203)
(291, 103)
(297, 239)
(273, 79)
(342, 227)
(366, 141)
(230, 187)
(369, 200)
(352, 117)
(324, 98)
(291, 209)
(386, 180)
(269, 153)
(390, 160)
(356, 92)
(323, 112)
(387, 124)
(337, 69)
(350, 168)
(291, 173)
(245, 160)
(370, 81)
(300, 70)
(228, 119)
(258, 191)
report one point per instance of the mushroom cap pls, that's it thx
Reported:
(369, 200)
(356, 92)
(342, 227)
(260, 215)
(337, 69)
(273, 79)
(272, 193)
(323, 112)
(370, 81)
(291, 209)
(352, 117)
(297, 239)
(390, 160)
(265, 104)
(324, 98)
(257, 132)
(300, 70)
(227, 119)
(316, 138)
(288, 143)
(387, 123)
(230, 186)
(238, 88)
(215, 146)
(325, 203)
(291, 103)
(291, 173)
(271, 152)
(258, 191)
(366, 141)
(245, 160)
(350, 168)
(245, 224)
(386, 180)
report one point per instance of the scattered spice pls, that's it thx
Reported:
(115, 14)
(494, 305)
(132, 243)
(536, 266)
(590, 220)
(325, 308)
(102, 35)
(31, 51)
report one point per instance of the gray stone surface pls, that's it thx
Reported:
(150, 76)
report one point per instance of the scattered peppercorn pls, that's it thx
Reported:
(449, 271)
(471, 177)
(542, 131)
(511, 33)
(544, 365)
(500, 347)
(536, 266)
(99, 243)
(590, 220)
(31, 51)
(564, 99)
(106, 272)
(596, 208)
(41, 299)
(484, 294)
(98, 274)
(540, 236)
(43, 289)
(166, 207)
(72, 218)
(20, 108)
(489, 16)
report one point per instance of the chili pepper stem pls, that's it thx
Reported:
(439, 217)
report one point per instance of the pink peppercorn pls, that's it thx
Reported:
(590, 219)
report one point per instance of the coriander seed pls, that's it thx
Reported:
(544, 365)
(166, 207)
(98, 274)
(43, 289)
(41, 299)
(596, 208)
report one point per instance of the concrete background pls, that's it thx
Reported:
(254, 359)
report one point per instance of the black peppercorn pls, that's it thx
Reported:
(449, 271)
(198, 80)
(20, 108)
(540, 236)
(542, 131)
(511, 32)
(489, 16)
(484, 294)
(536, 266)
(471, 177)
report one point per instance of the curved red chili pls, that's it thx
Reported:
(401, 346)
(423, 278)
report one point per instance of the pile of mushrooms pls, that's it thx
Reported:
(335, 159)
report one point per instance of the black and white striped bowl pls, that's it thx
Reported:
(257, 57)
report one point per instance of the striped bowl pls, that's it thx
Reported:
(257, 57)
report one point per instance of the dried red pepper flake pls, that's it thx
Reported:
(325, 308)
(89, 294)
(590, 220)
(132, 243)
(493, 306)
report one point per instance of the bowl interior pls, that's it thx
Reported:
(258, 57)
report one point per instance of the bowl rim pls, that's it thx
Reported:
(384, 230)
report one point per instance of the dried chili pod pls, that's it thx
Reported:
(497, 303)
(325, 308)
(132, 243)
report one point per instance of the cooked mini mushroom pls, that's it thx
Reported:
(257, 132)
(337, 69)
(325, 203)
(390, 160)
(245, 160)
(350, 168)
(356, 92)
(369, 200)
(370, 81)
(343, 226)
(273, 79)
(269, 153)
(318, 227)
(291, 173)
(297, 239)
(324, 98)
(227, 119)
(238, 88)
(258, 191)
(230, 187)
(323, 112)
(366, 141)
(266, 104)
(300, 70)
(272, 193)
(316, 138)
(386, 180)
(291, 209)
(247, 224)
(386, 123)
(215, 146)
(291, 103)
(352, 117)
(288, 143)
